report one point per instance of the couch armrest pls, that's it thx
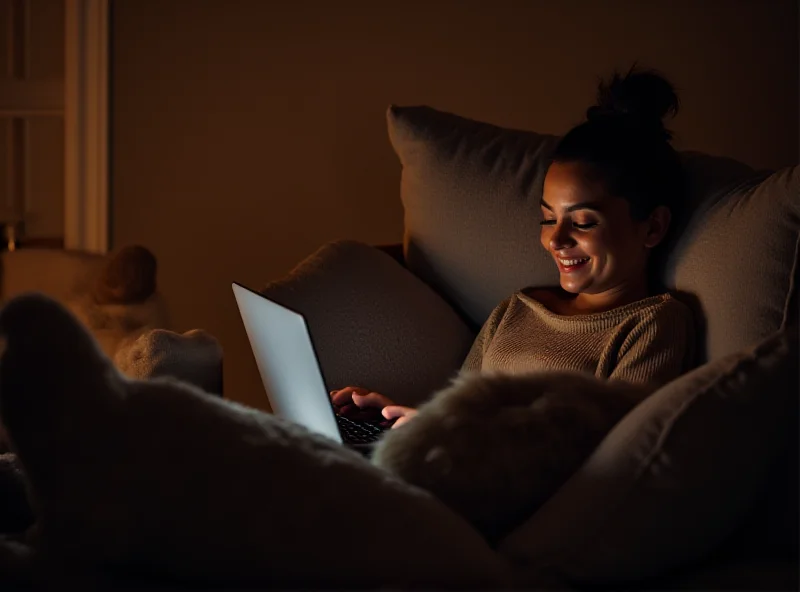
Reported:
(374, 323)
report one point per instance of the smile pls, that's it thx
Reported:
(571, 262)
(568, 265)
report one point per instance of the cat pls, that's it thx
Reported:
(121, 303)
(494, 447)
(157, 482)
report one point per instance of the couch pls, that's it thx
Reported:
(470, 192)
(714, 503)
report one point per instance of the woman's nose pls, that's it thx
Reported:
(561, 238)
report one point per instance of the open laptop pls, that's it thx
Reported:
(291, 373)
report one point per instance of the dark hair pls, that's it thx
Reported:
(626, 144)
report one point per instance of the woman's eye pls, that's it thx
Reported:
(585, 226)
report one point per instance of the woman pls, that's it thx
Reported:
(609, 195)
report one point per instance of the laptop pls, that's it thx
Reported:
(291, 374)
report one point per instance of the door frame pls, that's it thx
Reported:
(87, 206)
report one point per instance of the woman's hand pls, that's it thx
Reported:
(398, 414)
(359, 403)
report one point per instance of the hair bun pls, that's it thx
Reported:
(642, 98)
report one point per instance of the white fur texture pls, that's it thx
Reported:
(161, 480)
(495, 447)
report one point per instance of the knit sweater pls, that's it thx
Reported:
(650, 341)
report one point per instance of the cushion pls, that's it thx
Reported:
(674, 478)
(471, 194)
(157, 478)
(373, 323)
(738, 260)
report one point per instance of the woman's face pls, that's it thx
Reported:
(596, 244)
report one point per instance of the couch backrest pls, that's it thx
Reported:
(471, 194)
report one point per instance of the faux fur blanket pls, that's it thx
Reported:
(161, 481)
(495, 447)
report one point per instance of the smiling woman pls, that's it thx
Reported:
(600, 249)
(610, 192)
(609, 196)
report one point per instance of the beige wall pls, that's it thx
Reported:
(248, 132)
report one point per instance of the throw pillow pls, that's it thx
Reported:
(374, 324)
(160, 479)
(738, 258)
(673, 479)
(471, 194)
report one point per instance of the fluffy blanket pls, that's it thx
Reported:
(496, 447)
(161, 482)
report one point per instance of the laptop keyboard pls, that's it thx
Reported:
(358, 432)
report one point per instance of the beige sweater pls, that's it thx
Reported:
(649, 341)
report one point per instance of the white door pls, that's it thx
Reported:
(32, 118)
(53, 140)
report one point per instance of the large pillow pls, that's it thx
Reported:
(676, 477)
(738, 260)
(373, 323)
(471, 194)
